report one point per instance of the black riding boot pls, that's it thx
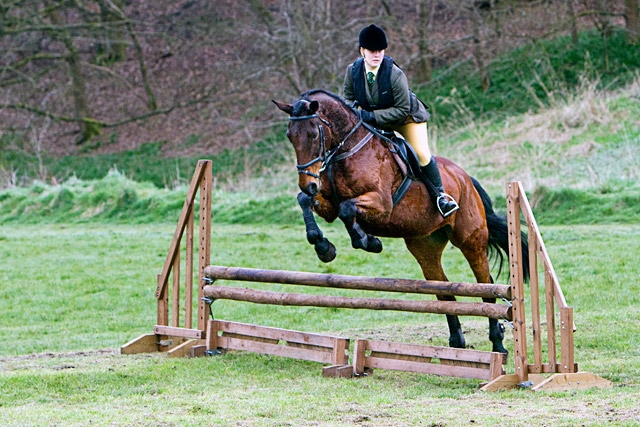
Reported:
(431, 178)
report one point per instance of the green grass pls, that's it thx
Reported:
(73, 293)
(117, 199)
(529, 77)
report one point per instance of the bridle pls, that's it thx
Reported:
(328, 157)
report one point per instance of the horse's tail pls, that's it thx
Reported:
(498, 247)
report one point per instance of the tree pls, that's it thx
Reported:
(46, 41)
(632, 19)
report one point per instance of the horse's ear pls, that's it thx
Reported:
(284, 107)
(314, 106)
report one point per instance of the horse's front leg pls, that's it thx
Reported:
(359, 239)
(324, 248)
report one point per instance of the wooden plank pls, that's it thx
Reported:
(321, 340)
(426, 351)
(256, 338)
(359, 354)
(257, 296)
(431, 287)
(179, 332)
(320, 355)
(184, 349)
(339, 354)
(428, 368)
(147, 343)
(401, 357)
(509, 382)
(198, 351)
(337, 371)
(212, 334)
(548, 368)
(572, 381)
(495, 366)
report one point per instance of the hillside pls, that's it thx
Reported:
(196, 77)
(578, 161)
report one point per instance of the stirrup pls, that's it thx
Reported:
(448, 199)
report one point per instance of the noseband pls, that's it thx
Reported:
(327, 156)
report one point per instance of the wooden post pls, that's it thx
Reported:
(175, 292)
(163, 304)
(552, 354)
(188, 285)
(535, 303)
(517, 282)
(204, 258)
(566, 340)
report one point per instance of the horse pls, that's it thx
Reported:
(348, 170)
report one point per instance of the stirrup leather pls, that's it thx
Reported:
(449, 199)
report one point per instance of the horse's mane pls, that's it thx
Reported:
(338, 98)
(341, 119)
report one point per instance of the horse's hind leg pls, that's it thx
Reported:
(428, 252)
(476, 255)
(324, 248)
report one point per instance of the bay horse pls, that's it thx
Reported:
(347, 171)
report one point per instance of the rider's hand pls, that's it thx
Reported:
(368, 117)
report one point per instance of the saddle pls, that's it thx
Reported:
(405, 157)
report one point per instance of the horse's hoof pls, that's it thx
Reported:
(374, 245)
(325, 250)
(457, 341)
(499, 348)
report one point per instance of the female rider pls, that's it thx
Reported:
(380, 88)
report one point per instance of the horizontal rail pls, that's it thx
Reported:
(496, 311)
(431, 287)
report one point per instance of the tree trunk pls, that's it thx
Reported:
(424, 9)
(111, 46)
(88, 126)
(572, 22)
(632, 21)
(477, 49)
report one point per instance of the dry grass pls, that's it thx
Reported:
(556, 139)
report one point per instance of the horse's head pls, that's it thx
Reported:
(311, 136)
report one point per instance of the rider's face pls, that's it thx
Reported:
(372, 58)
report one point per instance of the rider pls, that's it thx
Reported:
(380, 88)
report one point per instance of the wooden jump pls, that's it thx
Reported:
(496, 311)
(432, 287)
(178, 337)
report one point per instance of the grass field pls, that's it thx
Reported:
(72, 294)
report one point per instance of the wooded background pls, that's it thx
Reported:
(82, 76)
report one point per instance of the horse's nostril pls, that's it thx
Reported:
(312, 189)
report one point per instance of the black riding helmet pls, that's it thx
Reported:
(373, 38)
